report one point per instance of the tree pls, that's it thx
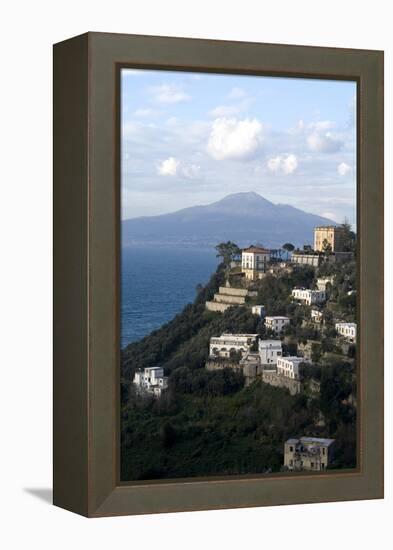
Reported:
(349, 237)
(289, 247)
(227, 251)
(326, 247)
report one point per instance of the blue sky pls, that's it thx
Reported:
(191, 138)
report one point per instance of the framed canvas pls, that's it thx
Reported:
(218, 274)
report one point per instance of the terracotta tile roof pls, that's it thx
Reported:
(256, 250)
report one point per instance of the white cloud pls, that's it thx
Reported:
(343, 169)
(167, 93)
(324, 142)
(174, 167)
(286, 164)
(274, 164)
(191, 171)
(322, 125)
(290, 164)
(232, 139)
(144, 112)
(237, 93)
(168, 167)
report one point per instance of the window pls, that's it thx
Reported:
(291, 449)
(323, 450)
(312, 464)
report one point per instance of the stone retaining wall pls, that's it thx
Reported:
(215, 306)
(211, 364)
(271, 377)
(227, 299)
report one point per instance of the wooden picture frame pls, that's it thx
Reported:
(86, 273)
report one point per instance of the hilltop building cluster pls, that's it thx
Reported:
(274, 355)
(265, 358)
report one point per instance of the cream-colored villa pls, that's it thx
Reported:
(254, 262)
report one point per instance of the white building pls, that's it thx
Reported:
(258, 310)
(227, 344)
(348, 330)
(316, 316)
(289, 366)
(254, 261)
(269, 351)
(308, 453)
(151, 380)
(308, 296)
(304, 258)
(276, 323)
(323, 282)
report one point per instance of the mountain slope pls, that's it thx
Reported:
(241, 217)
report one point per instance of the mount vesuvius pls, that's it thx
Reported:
(244, 218)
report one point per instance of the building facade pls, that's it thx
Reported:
(228, 344)
(289, 366)
(276, 323)
(270, 376)
(308, 453)
(258, 310)
(308, 296)
(302, 258)
(254, 262)
(323, 283)
(151, 380)
(348, 330)
(316, 316)
(330, 234)
(269, 351)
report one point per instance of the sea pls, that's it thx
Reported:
(156, 284)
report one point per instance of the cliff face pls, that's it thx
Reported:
(242, 217)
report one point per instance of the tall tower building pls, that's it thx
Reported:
(332, 234)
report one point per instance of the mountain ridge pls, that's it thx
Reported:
(241, 217)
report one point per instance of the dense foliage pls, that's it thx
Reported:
(207, 422)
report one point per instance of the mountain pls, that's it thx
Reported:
(241, 217)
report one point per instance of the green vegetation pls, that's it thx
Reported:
(207, 422)
(227, 251)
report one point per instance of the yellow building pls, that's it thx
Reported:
(331, 234)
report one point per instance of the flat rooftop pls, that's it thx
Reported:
(304, 439)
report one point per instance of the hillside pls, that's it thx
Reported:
(207, 422)
(240, 217)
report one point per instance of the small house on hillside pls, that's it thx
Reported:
(228, 344)
(151, 381)
(254, 262)
(308, 453)
(276, 323)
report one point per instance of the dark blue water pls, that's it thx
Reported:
(156, 283)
